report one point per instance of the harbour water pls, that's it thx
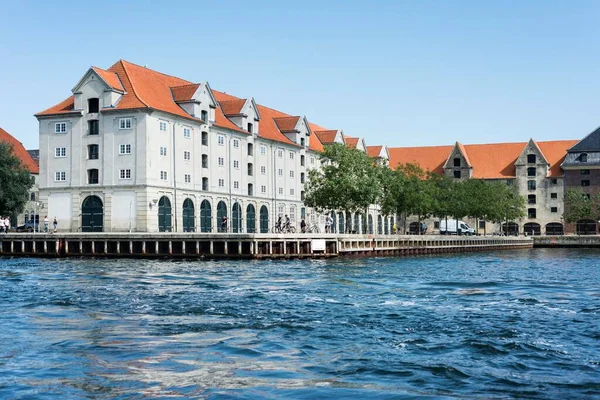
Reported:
(523, 323)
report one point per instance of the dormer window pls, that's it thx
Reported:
(457, 174)
(94, 127)
(302, 141)
(204, 116)
(531, 171)
(250, 128)
(583, 157)
(93, 105)
(531, 159)
(457, 161)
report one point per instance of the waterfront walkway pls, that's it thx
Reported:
(225, 245)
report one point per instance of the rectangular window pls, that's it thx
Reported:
(481, 224)
(205, 184)
(93, 176)
(302, 161)
(221, 161)
(204, 138)
(280, 172)
(187, 133)
(204, 160)
(531, 171)
(280, 153)
(163, 151)
(585, 172)
(125, 123)
(554, 181)
(125, 174)
(263, 170)
(436, 224)
(94, 127)
(221, 182)
(291, 192)
(301, 177)
(236, 185)
(457, 174)
(187, 178)
(583, 157)
(280, 190)
(221, 140)
(312, 160)
(60, 176)
(60, 127)
(585, 182)
(236, 143)
(554, 195)
(125, 149)
(236, 164)
(531, 185)
(250, 169)
(163, 126)
(531, 158)
(263, 150)
(263, 189)
(291, 155)
(250, 128)
(531, 199)
(187, 155)
(291, 174)
(457, 162)
(250, 189)
(204, 115)
(553, 209)
(93, 105)
(93, 151)
(531, 213)
(60, 152)
(163, 175)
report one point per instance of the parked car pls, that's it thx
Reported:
(29, 226)
(449, 228)
(413, 228)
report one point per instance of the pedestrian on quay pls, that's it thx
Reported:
(55, 223)
(224, 223)
(303, 226)
(328, 224)
(46, 223)
(7, 224)
(2, 225)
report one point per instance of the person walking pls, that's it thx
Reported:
(2, 225)
(224, 223)
(46, 223)
(7, 224)
(303, 226)
(55, 223)
(328, 224)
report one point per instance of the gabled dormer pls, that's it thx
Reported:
(242, 112)
(585, 153)
(379, 153)
(457, 164)
(98, 89)
(295, 129)
(330, 136)
(355, 143)
(196, 99)
(532, 162)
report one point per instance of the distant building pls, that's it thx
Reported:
(582, 170)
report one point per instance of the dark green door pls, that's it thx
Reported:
(236, 216)
(250, 219)
(92, 214)
(379, 225)
(386, 228)
(205, 216)
(188, 216)
(223, 223)
(164, 215)
(264, 220)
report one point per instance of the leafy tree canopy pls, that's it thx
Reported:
(15, 182)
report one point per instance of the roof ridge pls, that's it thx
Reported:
(153, 70)
(187, 84)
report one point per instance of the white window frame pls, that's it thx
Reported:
(312, 160)
(221, 182)
(221, 161)
(163, 124)
(236, 143)
(124, 149)
(263, 189)
(236, 184)
(60, 152)
(125, 174)
(280, 172)
(125, 123)
(60, 176)
(187, 178)
(187, 133)
(60, 127)
(291, 192)
(291, 174)
(163, 151)
(263, 170)
(280, 153)
(291, 155)
(220, 140)
(263, 150)
(280, 190)
(236, 164)
(164, 176)
(187, 155)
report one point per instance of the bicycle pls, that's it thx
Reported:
(312, 229)
(283, 229)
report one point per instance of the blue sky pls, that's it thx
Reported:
(401, 73)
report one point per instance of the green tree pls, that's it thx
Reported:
(347, 180)
(579, 206)
(15, 182)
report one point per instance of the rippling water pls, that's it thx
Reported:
(488, 325)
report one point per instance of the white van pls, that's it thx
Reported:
(450, 228)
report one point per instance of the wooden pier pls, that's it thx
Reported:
(250, 246)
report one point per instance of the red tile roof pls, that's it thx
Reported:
(495, 160)
(464, 153)
(374, 151)
(555, 153)
(326, 136)
(287, 124)
(430, 158)
(232, 107)
(110, 78)
(64, 107)
(20, 152)
(184, 92)
(351, 142)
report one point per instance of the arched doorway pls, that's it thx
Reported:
(512, 229)
(250, 219)
(341, 223)
(92, 214)
(164, 215)
(586, 227)
(386, 226)
(236, 216)
(188, 216)
(222, 212)
(379, 225)
(370, 224)
(205, 216)
(264, 219)
(554, 228)
(532, 229)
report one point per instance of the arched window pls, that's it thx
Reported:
(92, 214)
(264, 219)
(188, 216)
(205, 216)
(164, 215)
(222, 212)
(250, 219)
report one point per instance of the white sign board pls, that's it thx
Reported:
(318, 245)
